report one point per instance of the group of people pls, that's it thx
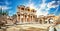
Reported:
(55, 26)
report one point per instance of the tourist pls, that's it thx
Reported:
(55, 26)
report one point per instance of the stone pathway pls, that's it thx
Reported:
(29, 27)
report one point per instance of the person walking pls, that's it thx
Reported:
(53, 26)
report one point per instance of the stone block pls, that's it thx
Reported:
(1, 29)
(13, 29)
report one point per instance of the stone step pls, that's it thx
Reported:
(1, 30)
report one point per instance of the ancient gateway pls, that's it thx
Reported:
(25, 14)
(28, 15)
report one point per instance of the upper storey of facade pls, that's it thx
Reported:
(23, 9)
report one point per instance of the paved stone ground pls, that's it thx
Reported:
(28, 27)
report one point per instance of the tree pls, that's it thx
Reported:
(5, 13)
(14, 15)
(3, 18)
(14, 18)
(0, 11)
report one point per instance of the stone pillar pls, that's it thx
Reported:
(17, 17)
(29, 19)
(38, 20)
(26, 18)
(20, 18)
(23, 18)
(42, 21)
(32, 19)
(47, 21)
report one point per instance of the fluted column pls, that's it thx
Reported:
(47, 22)
(23, 18)
(26, 18)
(32, 19)
(39, 21)
(20, 19)
(17, 17)
(42, 21)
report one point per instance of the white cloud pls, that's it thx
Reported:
(5, 7)
(47, 9)
(41, 10)
(7, 3)
(31, 5)
(42, 13)
(44, 6)
(51, 4)
(58, 2)
(43, 1)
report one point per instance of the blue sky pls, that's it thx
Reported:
(43, 7)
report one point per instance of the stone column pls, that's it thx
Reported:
(26, 18)
(29, 19)
(38, 20)
(32, 19)
(42, 21)
(20, 18)
(23, 18)
(47, 21)
(17, 17)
